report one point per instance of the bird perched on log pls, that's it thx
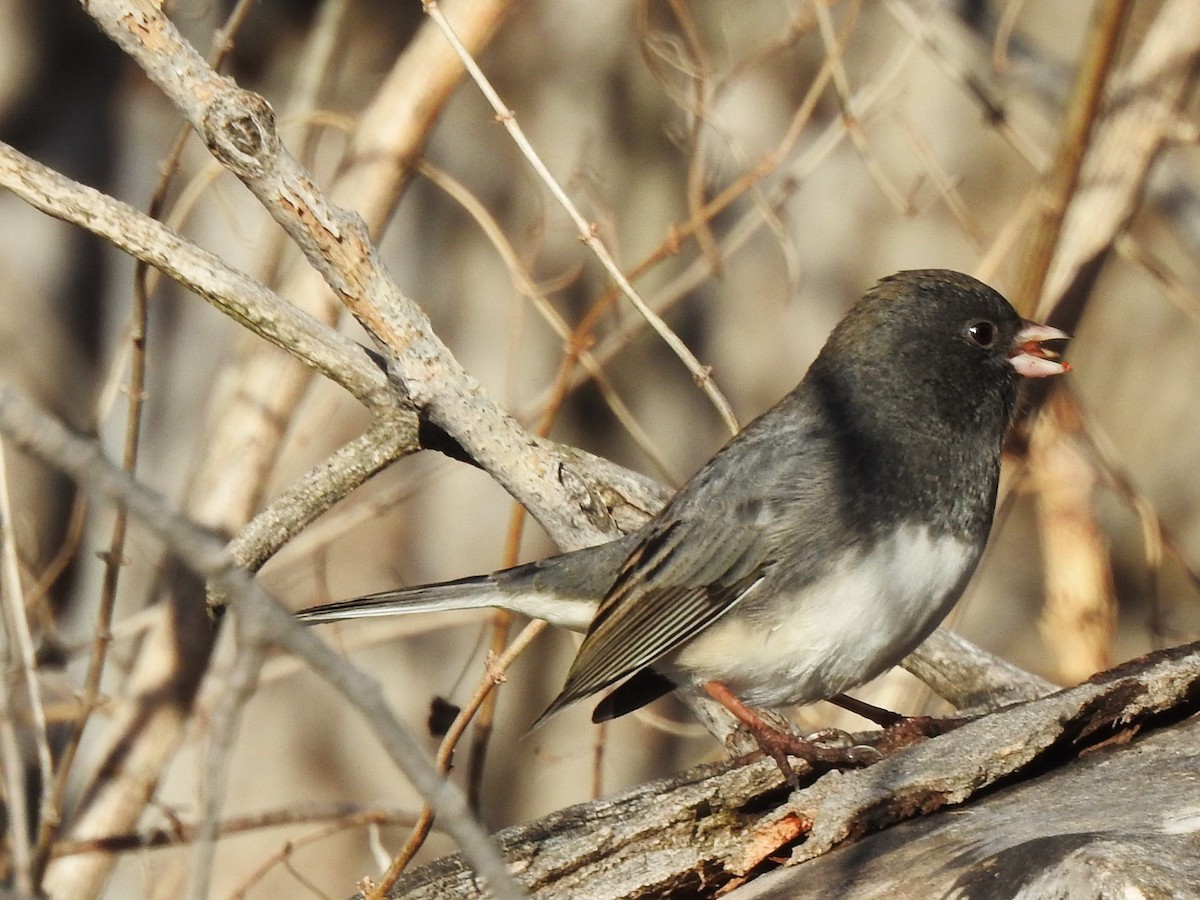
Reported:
(819, 546)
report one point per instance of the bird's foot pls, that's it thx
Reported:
(827, 749)
(830, 749)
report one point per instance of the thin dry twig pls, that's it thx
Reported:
(18, 646)
(868, 99)
(14, 787)
(42, 436)
(66, 553)
(574, 343)
(21, 639)
(587, 232)
(239, 688)
(283, 856)
(850, 114)
(1108, 24)
(346, 815)
(697, 71)
(947, 189)
(113, 564)
(1157, 536)
(114, 557)
(496, 669)
(974, 86)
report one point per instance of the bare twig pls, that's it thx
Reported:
(387, 439)
(135, 396)
(370, 818)
(238, 296)
(587, 232)
(868, 100)
(238, 689)
(42, 436)
(1107, 24)
(393, 129)
(345, 815)
(993, 107)
(239, 128)
(850, 113)
(1157, 537)
(574, 343)
(18, 647)
(14, 787)
(496, 670)
(697, 72)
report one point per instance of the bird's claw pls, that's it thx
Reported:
(833, 738)
(828, 749)
(862, 755)
(843, 745)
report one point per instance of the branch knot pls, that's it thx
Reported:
(239, 129)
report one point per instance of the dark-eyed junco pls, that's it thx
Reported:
(820, 545)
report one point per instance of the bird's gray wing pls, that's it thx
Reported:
(701, 556)
(675, 583)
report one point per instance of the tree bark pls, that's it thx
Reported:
(1085, 789)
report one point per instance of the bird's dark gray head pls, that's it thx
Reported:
(921, 380)
(931, 344)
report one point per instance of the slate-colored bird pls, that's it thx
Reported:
(819, 546)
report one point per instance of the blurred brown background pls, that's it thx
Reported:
(635, 106)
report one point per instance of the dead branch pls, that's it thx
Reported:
(711, 827)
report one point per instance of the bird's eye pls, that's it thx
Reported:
(982, 333)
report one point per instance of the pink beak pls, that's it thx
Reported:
(1030, 358)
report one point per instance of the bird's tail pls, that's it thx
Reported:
(532, 590)
(477, 592)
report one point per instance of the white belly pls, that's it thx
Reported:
(838, 632)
